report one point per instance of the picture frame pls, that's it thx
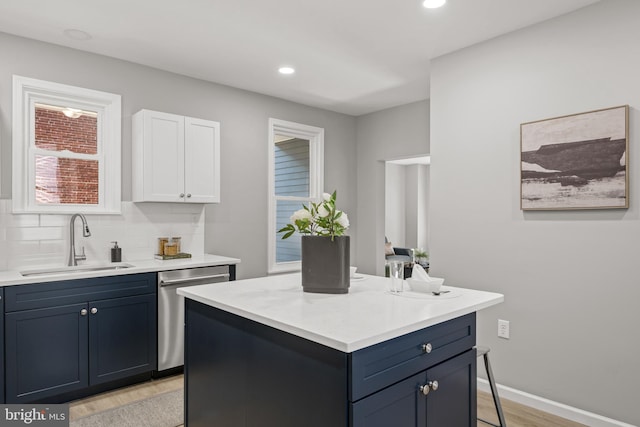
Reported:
(578, 161)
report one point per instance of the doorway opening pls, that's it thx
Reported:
(406, 221)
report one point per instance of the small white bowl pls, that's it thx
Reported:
(352, 271)
(432, 285)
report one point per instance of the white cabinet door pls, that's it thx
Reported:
(175, 158)
(202, 161)
(158, 157)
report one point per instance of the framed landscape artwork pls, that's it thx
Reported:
(576, 162)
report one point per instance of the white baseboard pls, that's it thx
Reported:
(549, 406)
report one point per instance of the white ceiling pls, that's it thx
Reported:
(351, 56)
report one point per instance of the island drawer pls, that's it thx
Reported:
(376, 367)
(65, 292)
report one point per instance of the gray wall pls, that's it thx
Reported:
(237, 226)
(417, 204)
(422, 199)
(412, 189)
(570, 278)
(385, 135)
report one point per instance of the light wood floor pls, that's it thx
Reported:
(123, 396)
(516, 415)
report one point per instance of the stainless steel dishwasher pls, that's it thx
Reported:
(171, 308)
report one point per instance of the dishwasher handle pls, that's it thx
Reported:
(192, 279)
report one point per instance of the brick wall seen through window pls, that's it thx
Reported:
(60, 179)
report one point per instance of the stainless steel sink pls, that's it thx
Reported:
(74, 269)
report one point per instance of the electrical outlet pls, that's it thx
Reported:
(503, 329)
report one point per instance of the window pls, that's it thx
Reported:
(296, 177)
(66, 145)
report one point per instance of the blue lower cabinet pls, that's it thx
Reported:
(437, 397)
(120, 338)
(56, 351)
(46, 352)
(241, 372)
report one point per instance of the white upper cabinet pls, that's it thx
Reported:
(175, 158)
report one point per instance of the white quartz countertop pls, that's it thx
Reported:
(14, 277)
(367, 315)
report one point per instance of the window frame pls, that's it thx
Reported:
(26, 93)
(315, 136)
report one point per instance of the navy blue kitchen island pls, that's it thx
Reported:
(262, 353)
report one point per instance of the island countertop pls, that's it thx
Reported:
(365, 316)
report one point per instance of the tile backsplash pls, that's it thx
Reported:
(32, 240)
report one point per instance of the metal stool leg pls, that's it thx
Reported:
(484, 351)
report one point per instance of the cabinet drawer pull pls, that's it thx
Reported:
(427, 347)
(83, 312)
(94, 310)
(181, 195)
(188, 195)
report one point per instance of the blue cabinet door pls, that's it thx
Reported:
(400, 405)
(453, 403)
(46, 352)
(122, 338)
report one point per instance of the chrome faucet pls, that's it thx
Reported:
(73, 257)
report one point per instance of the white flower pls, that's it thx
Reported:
(323, 212)
(317, 219)
(300, 214)
(343, 220)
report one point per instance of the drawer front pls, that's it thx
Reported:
(381, 365)
(51, 294)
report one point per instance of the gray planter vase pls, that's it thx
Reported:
(325, 264)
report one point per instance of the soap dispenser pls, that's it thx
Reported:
(116, 253)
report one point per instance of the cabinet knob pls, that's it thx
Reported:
(83, 312)
(94, 310)
(431, 385)
(425, 389)
(427, 347)
(188, 195)
(181, 195)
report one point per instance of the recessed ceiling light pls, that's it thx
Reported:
(286, 70)
(77, 34)
(433, 4)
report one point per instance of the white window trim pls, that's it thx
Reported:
(315, 136)
(27, 92)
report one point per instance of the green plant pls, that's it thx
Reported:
(420, 253)
(318, 219)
